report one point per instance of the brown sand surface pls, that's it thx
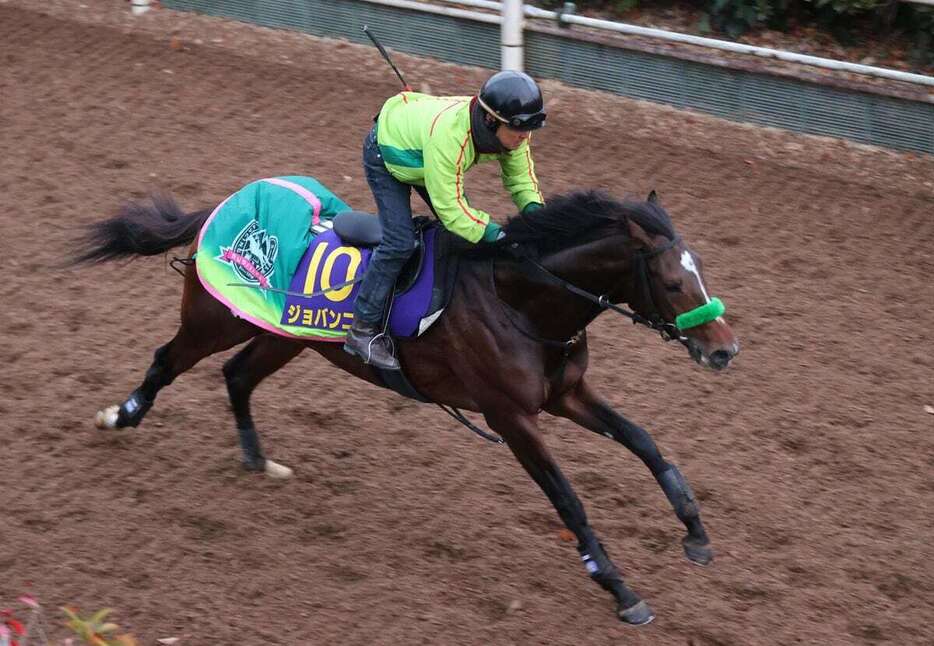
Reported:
(812, 456)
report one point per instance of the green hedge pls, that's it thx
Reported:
(845, 19)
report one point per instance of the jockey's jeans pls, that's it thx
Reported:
(393, 200)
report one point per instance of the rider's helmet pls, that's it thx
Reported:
(513, 98)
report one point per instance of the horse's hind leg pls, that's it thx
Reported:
(243, 372)
(207, 327)
(583, 406)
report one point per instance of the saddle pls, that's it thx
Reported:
(364, 230)
(329, 273)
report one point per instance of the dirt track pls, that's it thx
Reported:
(812, 456)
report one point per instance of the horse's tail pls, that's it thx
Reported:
(141, 229)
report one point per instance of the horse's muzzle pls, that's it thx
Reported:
(720, 359)
(716, 360)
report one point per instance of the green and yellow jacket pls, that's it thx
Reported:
(426, 141)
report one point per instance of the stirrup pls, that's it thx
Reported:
(392, 363)
(367, 354)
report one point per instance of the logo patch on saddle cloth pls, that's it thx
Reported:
(329, 262)
(252, 254)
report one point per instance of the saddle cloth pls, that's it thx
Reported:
(260, 254)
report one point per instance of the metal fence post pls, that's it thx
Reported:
(513, 19)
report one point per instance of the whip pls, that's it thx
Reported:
(405, 86)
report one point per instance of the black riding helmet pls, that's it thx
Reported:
(513, 98)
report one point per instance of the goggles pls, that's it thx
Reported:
(532, 121)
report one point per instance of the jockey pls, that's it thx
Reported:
(428, 143)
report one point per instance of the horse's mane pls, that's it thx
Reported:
(571, 218)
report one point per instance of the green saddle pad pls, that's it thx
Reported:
(255, 239)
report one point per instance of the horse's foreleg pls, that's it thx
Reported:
(583, 406)
(243, 372)
(521, 434)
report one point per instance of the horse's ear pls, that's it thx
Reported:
(653, 197)
(639, 234)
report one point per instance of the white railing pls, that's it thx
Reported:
(444, 11)
(515, 24)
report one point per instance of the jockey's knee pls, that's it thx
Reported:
(396, 251)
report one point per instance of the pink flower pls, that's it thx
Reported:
(15, 627)
(8, 627)
(30, 601)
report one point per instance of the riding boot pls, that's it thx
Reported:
(367, 342)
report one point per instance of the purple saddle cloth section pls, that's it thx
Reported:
(329, 261)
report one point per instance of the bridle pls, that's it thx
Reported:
(669, 331)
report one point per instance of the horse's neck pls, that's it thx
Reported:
(554, 310)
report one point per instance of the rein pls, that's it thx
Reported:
(668, 331)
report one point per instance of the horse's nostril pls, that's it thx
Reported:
(720, 359)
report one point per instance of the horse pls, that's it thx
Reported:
(511, 343)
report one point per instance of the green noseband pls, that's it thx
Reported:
(700, 315)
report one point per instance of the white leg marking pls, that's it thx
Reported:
(107, 418)
(276, 470)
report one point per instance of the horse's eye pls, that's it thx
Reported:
(673, 287)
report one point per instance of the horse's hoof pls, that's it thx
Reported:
(107, 418)
(698, 553)
(276, 470)
(636, 615)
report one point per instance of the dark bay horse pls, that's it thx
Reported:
(511, 344)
